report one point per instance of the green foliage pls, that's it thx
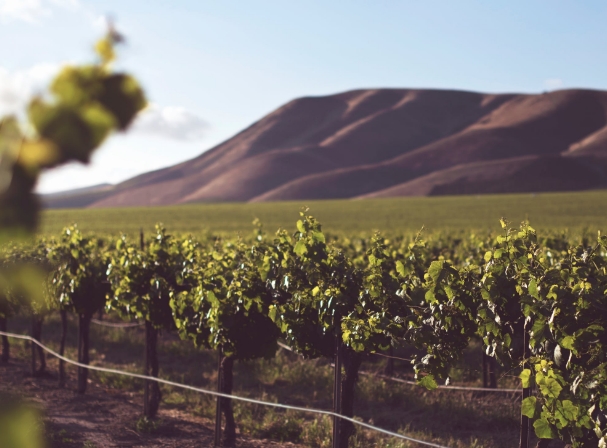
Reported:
(227, 301)
(20, 425)
(79, 281)
(315, 291)
(555, 292)
(507, 286)
(315, 286)
(86, 104)
(144, 279)
(563, 215)
(24, 279)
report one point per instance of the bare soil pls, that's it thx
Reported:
(106, 417)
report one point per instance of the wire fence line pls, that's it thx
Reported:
(414, 383)
(220, 394)
(117, 325)
(471, 389)
(392, 357)
(385, 377)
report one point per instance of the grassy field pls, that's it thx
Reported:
(546, 211)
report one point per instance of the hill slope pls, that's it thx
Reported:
(391, 142)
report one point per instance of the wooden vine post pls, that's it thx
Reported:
(151, 389)
(337, 391)
(389, 368)
(489, 373)
(37, 335)
(524, 439)
(5, 344)
(63, 314)
(219, 399)
(146, 353)
(84, 322)
(33, 347)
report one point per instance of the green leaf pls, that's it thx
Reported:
(300, 248)
(435, 270)
(123, 97)
(428, 382)
(449, 292)
(525, 376)
(19, 426)
(100, 122)
(543, 430)
(400, 268)
(568, 410)
(539, 329)
(533, 291)
(105, 49)
(300, 226)
(488, 255)
(528, 407)
(568, 342)
(319, 237)
(550, 387)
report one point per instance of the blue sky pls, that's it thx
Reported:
(211, 68)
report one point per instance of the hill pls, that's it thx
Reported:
(389, 142)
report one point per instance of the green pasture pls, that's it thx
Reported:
(576, 212)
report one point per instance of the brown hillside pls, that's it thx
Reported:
(386, 142)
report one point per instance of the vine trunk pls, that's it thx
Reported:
(63, 314)
(152, 393)
(84, 325)
(227, 383)
(36, 349)
(351, 363)
(5, 344)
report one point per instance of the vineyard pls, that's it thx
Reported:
(575, 212)
(281, 336)
(534, 304)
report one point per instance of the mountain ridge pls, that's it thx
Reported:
(385, 142)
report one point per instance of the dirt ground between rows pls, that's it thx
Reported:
(106, 417)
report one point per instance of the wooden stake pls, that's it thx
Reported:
(146, 371)
(62, 347)
(219, 399)
(524, 438)
(146, 351)
(337, 392)
(33, 345)
(5, 344)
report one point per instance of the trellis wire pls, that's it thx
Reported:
(219, 394)
(116, 325)
(400, 380)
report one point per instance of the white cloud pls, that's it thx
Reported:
(25, 10)
(553, 83)
(123, 156)
(17, 87)
(100, 22)
(32, 11)
(177, 123)
(172, 122)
